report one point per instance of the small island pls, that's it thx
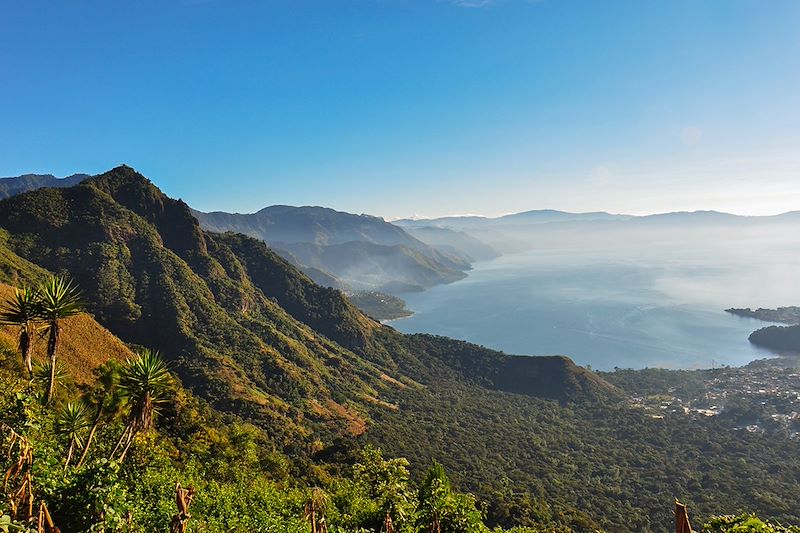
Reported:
(784, 315)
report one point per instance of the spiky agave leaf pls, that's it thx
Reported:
(59, 298)
(144, 383)
(22, 311)
(72, 422)
(42, 373)
(21, 308)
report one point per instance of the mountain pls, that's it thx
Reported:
(339, 243)
(368, 266)
(544, 216)
(319, 225)
(29, 182)
(243, 327)
(456, 241)
(539, 440)
(537, 216)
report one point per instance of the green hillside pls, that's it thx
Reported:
(363, 251)
(538, 440)
(245, 329)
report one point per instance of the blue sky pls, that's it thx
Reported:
(400, 107)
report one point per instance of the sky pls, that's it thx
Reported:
(404, 108)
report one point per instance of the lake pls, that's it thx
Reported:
(624, 308)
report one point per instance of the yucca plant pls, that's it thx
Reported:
(105, 399)
(143, 384)
(47, 375)
(59, 298)
(71, 422)
(22, 311)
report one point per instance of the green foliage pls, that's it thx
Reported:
(44, 374)
(440, 510)
(71, 423)
(22, 311)
(379, 305)
(58, 298)
(745, 523)
(144, 383)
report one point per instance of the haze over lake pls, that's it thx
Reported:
(632, 308)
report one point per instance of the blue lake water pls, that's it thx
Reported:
(665, 310)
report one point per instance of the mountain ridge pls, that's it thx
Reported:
(244, 328)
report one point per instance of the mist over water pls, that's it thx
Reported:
(630, 306)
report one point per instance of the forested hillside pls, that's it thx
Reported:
(306, 380)
(363, 251)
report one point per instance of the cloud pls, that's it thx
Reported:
(691, 135)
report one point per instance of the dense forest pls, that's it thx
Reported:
(278, 406)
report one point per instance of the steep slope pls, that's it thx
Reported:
(29, 182)
(367, 266)
(157, 280)
(15, 270)
(84, 344)
(244, 328)
(320, 233)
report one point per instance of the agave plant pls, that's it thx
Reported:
(143, 384)
(59, 298)
(22, 311)
(104, 398)
(71, 422)
(48, 375)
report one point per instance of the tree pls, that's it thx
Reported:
(71, 421)
(59, 299)
(442, 511)
(144, 383)
(387, 483)
(22, 311)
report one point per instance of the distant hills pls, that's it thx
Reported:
(548, 216)
(545, 229)
(361, 252)
(539, 216)
(28, 182)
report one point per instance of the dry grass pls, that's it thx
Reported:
(84, 344)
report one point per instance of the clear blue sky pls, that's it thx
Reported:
(400, 107)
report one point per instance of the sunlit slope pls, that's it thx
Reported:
(83, 345)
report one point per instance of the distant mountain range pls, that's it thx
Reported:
(547, 216)
(539, 216)
(28, 182)
(361, 252)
